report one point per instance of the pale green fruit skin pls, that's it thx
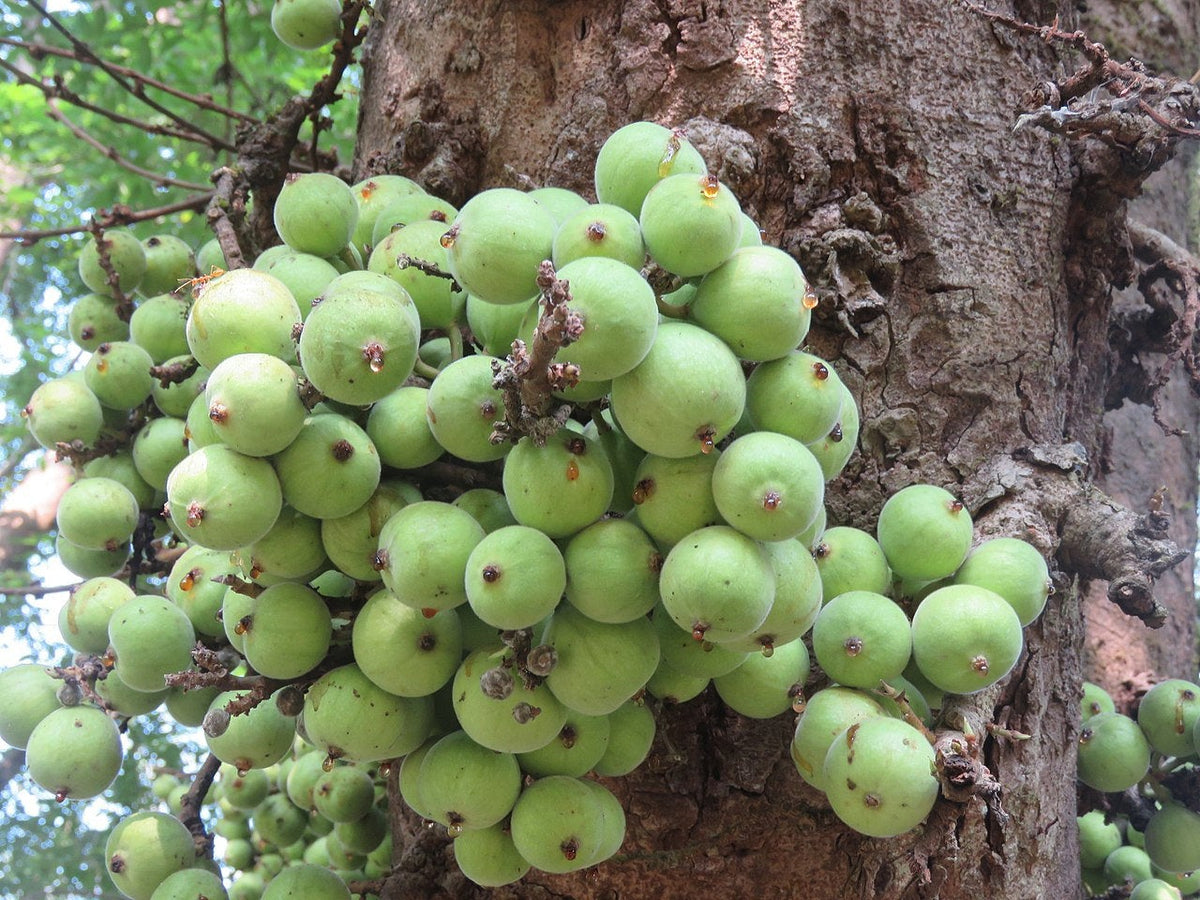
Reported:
(400, 431)
(158, 325)
(828, 713)
(125, 253)
(222, 499)
(487, 507)
(351, 541)
(688, 386)
(1013, 569)
(637, 156)
(243, 791)
(850, 559)
(90, 563)
(289, 631)
(690, 223)
(126, 700)
(305, 275)
(924, 531)
(190, 884)
(762, 687)
(408, 210)
(118, 374)
(600, 666)
(698, 659)
(74, 752)
(120, 467)
(349, 716)
(254, 740)
(144, 849)
(861, 638)
(242, 311)
(159, 446)
(1097, 839)
(1173, 838)
(495, 327)
(152, 637)
(93, 320)
(488, 857)
(580, 745)
(403, 651)
(306, 24)
(188, 707)
(315, 213)
(30, 693)
(254, 403)
(330, 469)
(500, 237)
(424, 549)
(798, 394)
(672, 686)
(1188, 883)
(600, 230)
(83, 619)
(560, 488)
(631, 729)
(797, 598)
(373, 196)
(612, 571)
(965, 638)
(673, 497)
(169, 262)
(554, 811)
(277, 821)
(191, 587)
(490, 722)
(559, 202)
(888, 762)
(1127, 862)
(463, 407)
(409, 781)
(175, 399)
(306, 882)
(436, 301)
(754, 301)
(358, 346)
(366, 834)
(466, 785)
(1154, 889)
(515, 577)
(1113, 753)
(739, 580)
(292, 549)
(1167, 714)
(620, 317)
(63, 410)
(1095, 700)
(343, 794)
(768, 486)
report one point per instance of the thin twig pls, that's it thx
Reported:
(203, 101)
(38, 590)
(189, 806)
(118, 215)
(86, 53)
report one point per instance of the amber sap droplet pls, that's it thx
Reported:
(643, 490)
(454, 829)
(853, 646)
(379, 561)
(188, 581)
(698, 630)
(706, 437)
(328, 763)
(447, 239)
(1085, 736)
(710, 186)
(955, 506)
(980, 665)
(771, 500)
(373, 354)
(491, 574)
(668, 157)
(385, 769)
(809, 300)
(243, 767)
(195, 514)
(768, 647)
(60, 796)
(487, 409)
(596, 232)
(570, 848)
(428, 612)
(243, 625)
(820, 371)
(836, 434)
(799, 704)
(572, 470)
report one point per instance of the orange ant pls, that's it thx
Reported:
(199, 281)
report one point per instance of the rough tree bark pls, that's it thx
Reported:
(969, 275)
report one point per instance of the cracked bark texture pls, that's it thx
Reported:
(965, 272)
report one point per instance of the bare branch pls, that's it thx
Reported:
(118, 215)
(85, 53)
(189, 806)
(204, 101)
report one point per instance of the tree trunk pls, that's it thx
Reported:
(966, 272)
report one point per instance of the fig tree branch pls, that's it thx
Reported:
(85, 52)
(189, 806)
(118, 215)
(38, 50)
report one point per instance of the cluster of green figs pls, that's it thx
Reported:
(1159, 856)
(510, 643)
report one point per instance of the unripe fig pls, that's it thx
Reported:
(169, 263)
(850, 559)
(287, 632)
(97, 514)
(63, 410)
(94, 320)
(528, 718)
(637, 156)
(798, 394)
(768, 486)
(1097, 839)
(242, 311)
(349, 717)
(612, 571)
(828, 713)
(159, 326)
(304, 881)
(29, 693)
(1113, 753)
(74, 752)
(924, 531)
(561, 487)
(463, 408)
(144, 849)
(423, 553)
(436, 299)
(691, 224)
(488, 856)
(466, 785)
(631, 729)
(965, 638)
(401, 433)
(126, 256)
(118, 374)
(222, 499)
(1013, 569)
(600, 230)
(558, 825)
(352, 541)
(192, 586)
(191, 884)
(763, 686)
(1168, 714)
(152, 637)
(861, 638)
(315, 213)
(515, 577)
(253, 740)
(673, 497)
(343, 794)
(346, 460)
(404, 651)
(254, 403)
(158, 447)
(306, 24)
